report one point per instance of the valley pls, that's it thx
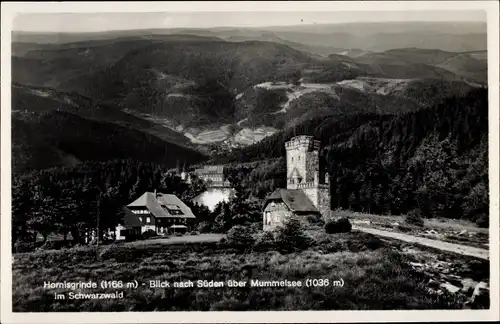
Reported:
(231, 88)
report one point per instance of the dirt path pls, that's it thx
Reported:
(445, 246)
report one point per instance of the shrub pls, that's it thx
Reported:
(264, 241)
(341, 225)
(483, 221)
(255, 227)
(22, 247)
(414, 218)
(205, 227)
(240, 235)
(148, 234)
(374, 243)
(315, 220)
(291, 237)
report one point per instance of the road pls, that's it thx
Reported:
(444, 246)
(186, 239)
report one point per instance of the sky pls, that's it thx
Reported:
(95, 22)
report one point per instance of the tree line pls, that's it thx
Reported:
(71, 201)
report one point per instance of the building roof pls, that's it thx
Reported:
(163, 205)
(130, 219)
(295, 200)
(210, 169)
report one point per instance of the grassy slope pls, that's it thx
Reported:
(374, 277)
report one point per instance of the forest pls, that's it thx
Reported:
(433, 161)
(69, 201)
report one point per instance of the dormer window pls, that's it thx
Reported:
(173, 209)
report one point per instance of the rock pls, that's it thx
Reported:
(462, 232)
(451, 288)
(480, 297)
(395, 224)
(468, 283)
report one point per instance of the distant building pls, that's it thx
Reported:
(213, 175)
(307, 191)
(161, 213)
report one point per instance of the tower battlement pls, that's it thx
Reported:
(303, 141)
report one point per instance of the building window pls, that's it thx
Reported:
(148, 220)
(140, 218)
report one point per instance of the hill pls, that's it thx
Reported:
(472, 66)
(191, 84)
(451, 36)
(28, 99)
(51, 129)
(432, 160)
(212, 94)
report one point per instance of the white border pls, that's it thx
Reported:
(10, 9)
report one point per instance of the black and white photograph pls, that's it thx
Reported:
(250, 160)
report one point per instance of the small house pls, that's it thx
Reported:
(285, 203)
(157, 212)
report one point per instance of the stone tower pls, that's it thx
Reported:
(305, 172)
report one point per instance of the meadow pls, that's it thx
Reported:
(375, 275)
